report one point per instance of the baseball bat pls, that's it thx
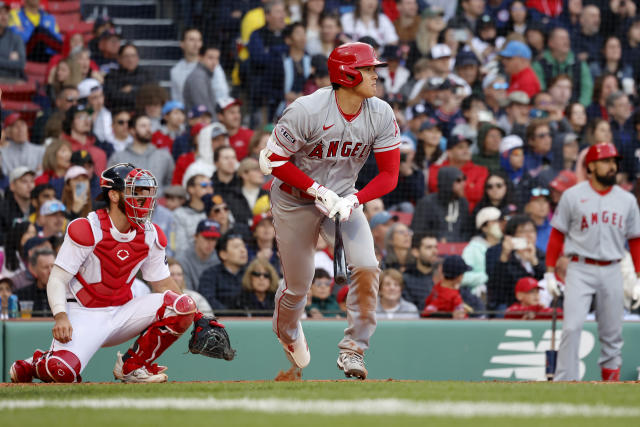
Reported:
(339, 258)
(552, 354)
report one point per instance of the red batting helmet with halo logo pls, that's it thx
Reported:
(345, 59)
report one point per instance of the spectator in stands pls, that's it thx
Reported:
(252, 181)
(444, 299)
(557, 59)
(58, 78)
(38, 30)
(445, 212)
(515, 257)
(428, 149)
(427, 35)
(538, 154)
(470, 13)
(528, 307)
(177, 274)
(312, 13)
(330, 35)
(90, 93)
(408, 21)
(397, 243)
(122, 84)
(296, 65)
(266, 48)
(221, 284)
(77, 130)
(173, 118)
(611, 61)
(391, 304)
(198, 89)
(620, 109)
(416, 116)
(65, 99)
(598, 130)
(631, 45)
(410, 186)
(52, 219)
(191, 43)
(576, 115)
(145, 155)
(108, 47)
(182, 144)
(459, 157)
(230, 115)
(40, 194)
(494, 89)
(560, 92)
(228, 184)
(76, 194)
(196, 258)
(55, 162)
(217, 210)
(323, 302)
(188, 216)
(12, 52)
(517, 114)
(120, 137)
(18, 202)
(587, 41)
(418, 278)
(6, 291)
(40, 266)
(175, 196)
(82, 67)
(489, 138)
(372, 207)
(538, 209)
(208, 140)
(518, 18)
(379, 224)
(83, 158)
(14, 265)
(604, 86)
(487, 223)
(368, 20)
(18, 151)
(263, 242)
(468, 67)
(395, 75)
(149, 100)
(259, 285)
(516, 60)
(498, 193)
(100, 25)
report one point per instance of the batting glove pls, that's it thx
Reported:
(344, 207)
(636, 296)
(325, 198)
(552, 284)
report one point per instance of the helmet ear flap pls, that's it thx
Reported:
(355, 75)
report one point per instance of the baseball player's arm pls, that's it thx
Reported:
(554, 248)
(634, 249)
(57, 296)
(388, 166)
(166, 284)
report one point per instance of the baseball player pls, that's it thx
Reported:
(315, 153)
(594, 219)
(89, 288)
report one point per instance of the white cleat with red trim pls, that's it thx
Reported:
(298, 351)
(140, 375)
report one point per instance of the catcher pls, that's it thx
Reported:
(89, 291)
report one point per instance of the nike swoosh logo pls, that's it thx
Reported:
(327, 127)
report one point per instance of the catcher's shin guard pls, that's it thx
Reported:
(175, 317)
(60, 366)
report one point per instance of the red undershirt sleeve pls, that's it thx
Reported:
(554, 247)
(389, 167)
(290, 173)
(634, 248)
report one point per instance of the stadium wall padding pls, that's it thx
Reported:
(468, 350)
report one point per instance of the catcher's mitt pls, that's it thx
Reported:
(210, 338)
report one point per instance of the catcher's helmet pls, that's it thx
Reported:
(344, 60)
(603, 150)
(139, 187)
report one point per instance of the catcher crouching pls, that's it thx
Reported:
(89, 291)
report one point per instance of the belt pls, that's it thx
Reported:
(72, 300)
(576, 258)
(295, 192)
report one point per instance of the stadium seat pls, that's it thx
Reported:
(403, 217)
(64, 7)
(67, 21)
(454, 248)
(36, 71)
(18, 92)
(28, 110)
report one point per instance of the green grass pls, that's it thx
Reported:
(627, 395)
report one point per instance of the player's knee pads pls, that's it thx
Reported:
(177, 312)
(61, 366)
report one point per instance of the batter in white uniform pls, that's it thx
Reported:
(594, 220)
(315, 152)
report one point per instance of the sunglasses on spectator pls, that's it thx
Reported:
(496, 185)
(220, 209)
(543, 135)
(501, 86)
(258, 274)
(71, 99)
(537, 192)
(461, 179)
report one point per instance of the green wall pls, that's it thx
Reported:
(420, 350)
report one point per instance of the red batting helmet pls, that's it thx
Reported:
(602, 150)
(344, 60)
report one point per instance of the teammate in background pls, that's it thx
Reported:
(89, 288)
(315, 153)
(593, 220)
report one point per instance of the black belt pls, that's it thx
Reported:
(72, 300)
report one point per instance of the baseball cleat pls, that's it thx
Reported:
(140, 375)
(352, 364)
(298, 351)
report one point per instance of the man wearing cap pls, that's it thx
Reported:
(190, 43)
(488, 143)
(173, 117)
(440, 55)
(516, 119)
(228, 184)
(12, 53)
(379, 225)
(198, 88)
(418, 115)
(122, 84)
(19, 151)
(528, 307)
(90, 91)
(459, 156)
(77, 130)
(197, 118)
(444, 299)
(558, 59)
(51, 221)
(230, 116)
(108, 44)
(102, 23)
(17, 205)
(467, 66)
(538, 209)
(196, 258)
(474, 254)
(516, 60)
(472, 10)
(494, 88)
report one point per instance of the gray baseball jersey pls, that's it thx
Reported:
(331, 150)
(327, 147)
(596, 226)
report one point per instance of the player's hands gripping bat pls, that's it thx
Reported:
(345, 207)
(339, 258)
(210, 338)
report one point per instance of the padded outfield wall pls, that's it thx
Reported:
(469, 350)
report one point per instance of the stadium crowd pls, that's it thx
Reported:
(497, 101)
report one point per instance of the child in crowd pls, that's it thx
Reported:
(6, 292)
(444, 299)
(528, 306)
(512, 157)
(323, 303)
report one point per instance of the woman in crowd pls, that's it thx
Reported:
(430, 27)
(428, 149)
(518, 18)
(560, 89)
(263, 245)
(58, 77)
(312, 12)
(259, 285)
(611, 62)
(498, 193)
(55, 162)
(576, 115)
(14, 266)
(391, 305)
(177, 274)
(598, 130)
(603, 86)
(76, 193)
(397, 244)
(368, 20)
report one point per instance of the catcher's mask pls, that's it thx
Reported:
(140, 190)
